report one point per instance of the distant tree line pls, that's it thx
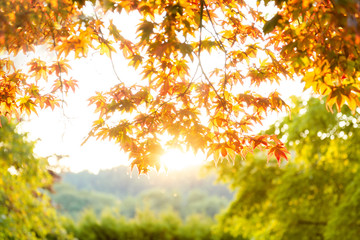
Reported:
(145, 226)
(120, 182)
(183, 192)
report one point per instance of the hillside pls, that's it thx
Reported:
(183, 191)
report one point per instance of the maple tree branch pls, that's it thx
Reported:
(56, 53)
(110, 54)
(199, 53)
(225, 75)
(220, 44)
(217, 38)
(222, 49)
(199, 65)
(156, 111)
(191, 81)
(60, 77)
(201, 25)
(60, 72)
(58, 63)
(208, 80)
(113, 67)
(213, 35)
(177, 96)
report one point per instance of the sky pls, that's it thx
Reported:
(62, 131)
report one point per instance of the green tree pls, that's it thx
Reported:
(315, 195)
(182, 191)
(200, 202)
(25, 210)
(117, 181)
(145, 225)
(71, 201)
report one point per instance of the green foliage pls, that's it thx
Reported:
(181, 191)
(72, 201)
(315, 195)
(344, 222)
(25, 210)
(117, 181)
(200, 202)
(145, 225)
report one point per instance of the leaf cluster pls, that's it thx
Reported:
(177, 95)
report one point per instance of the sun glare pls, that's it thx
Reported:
(175, 159)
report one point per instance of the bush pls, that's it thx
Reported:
(146, 225)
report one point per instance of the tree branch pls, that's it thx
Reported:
(201, 25)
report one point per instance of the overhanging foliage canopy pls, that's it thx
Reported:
(203, 109)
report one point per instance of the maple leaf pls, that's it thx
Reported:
(260, 140)
(271, 24)
(106, 48)
(173, 42)
(146, 28)
(279, 151)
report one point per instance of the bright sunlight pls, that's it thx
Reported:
(175, 159)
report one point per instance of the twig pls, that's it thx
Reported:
(103, 40)
(217, 38)
(201, 25)
(222, 47)
(208, 80)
